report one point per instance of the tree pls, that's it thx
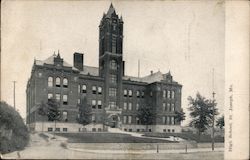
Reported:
(85, 112)
(14, 133)
(146, 116)
(43, 111)
(53, 111)
(180, 115)
(220, 122)
(201, 112)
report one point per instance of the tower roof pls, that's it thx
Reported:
(110, 11)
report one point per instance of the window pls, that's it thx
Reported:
(94, 89)
(58, 97)
(84, 88)
(65, 129)
(164, 120)
(137, 130)
(151, 94)
(94, 104)
(58, 82)
(173, 130)
(142, 94)
(112, 92)
(168, 107)
(168, 120)
(164, 94)
(112, 105)
(137, 94)
(125, 129)
(150, 130)
(169, 96)
(50, 129)
(93, 129)
(65, 99)
(164, 130)
(130, 93)
(125, 105)
(99, 90)
(50, 81)
(113, 43)
(169, 130)
(172, 120)
(113, 65)
(78, 101)
(130, 106)
(137, 120)
(99, 104)
(50, 95)
(79, 89)
(164, 106)
(57, 130)
(124, 119)
(113, 78)
(65, 116)
(99, 129)
(125, 93)
(130, 130)
(93, 118)
(173, 107)
(137, 106)
(65, 82)
(129, 119)
(173, 94)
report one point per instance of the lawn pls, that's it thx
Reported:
(187, 136)
(107, 138)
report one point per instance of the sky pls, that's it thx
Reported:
(185, 37)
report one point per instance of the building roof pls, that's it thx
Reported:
(94, 71)
(50, 60)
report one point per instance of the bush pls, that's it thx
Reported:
(13, 132)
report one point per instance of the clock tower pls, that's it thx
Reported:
(111, 65)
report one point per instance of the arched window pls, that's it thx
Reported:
(65, 82)
(113, 65)
(58, 83)
(84, 88)
(50, 81)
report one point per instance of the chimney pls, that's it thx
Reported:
(151, 72)
(78, 61)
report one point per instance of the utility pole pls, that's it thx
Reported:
(213, 115)
(14, 82)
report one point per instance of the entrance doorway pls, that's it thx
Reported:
(114, 121)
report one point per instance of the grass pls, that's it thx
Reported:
(187, 136)
(107, 138)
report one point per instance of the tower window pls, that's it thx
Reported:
(173, 94)
(112, 105)
(169, 94)
(113, 65)
(79, 89)
(65, 82)
(113, 78)
(50, 81)
(164, 94)
(112, 92)
(58, 82)
(142, 94)
(164, 106)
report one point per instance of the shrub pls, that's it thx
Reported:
(13, 132)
